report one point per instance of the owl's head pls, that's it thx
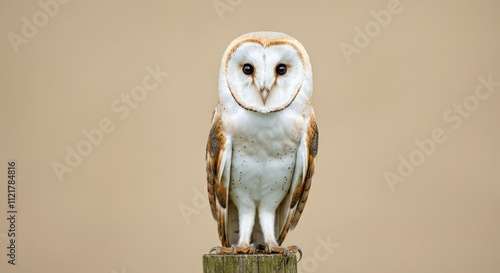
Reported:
(266, 71)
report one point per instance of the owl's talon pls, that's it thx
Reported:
(267, 248)
(254, 249)
(234, 249)
(296, 249)
(220, 250)
(285, 250)
(215, 248)
(300, 252)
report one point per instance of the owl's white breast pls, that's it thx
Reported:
(264, 154)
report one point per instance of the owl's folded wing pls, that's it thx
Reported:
(290, 209)
(217, 157)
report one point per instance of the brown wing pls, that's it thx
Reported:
(292, 207)
(216, 157)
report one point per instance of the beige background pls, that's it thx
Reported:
(120, 209)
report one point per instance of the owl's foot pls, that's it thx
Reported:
(243, 249)
(285, 250)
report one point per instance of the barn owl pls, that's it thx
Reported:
(262, 144)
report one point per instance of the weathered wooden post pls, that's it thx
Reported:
(251, 263)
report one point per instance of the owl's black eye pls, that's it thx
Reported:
(248, 69)
(281, 69)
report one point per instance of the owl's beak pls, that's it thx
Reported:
(264, 93)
